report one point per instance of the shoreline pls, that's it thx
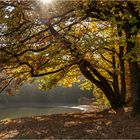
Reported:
(23, 111)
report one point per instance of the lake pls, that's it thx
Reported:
(17, 112)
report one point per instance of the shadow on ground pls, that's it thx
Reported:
(71, 126)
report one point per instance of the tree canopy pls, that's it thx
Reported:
(63, 40)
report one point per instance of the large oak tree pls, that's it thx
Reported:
(37, 42)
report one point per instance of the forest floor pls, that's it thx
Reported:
(88, 125)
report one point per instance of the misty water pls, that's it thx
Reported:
(17, 112)
(30, 101)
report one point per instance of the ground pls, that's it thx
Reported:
(88, 125)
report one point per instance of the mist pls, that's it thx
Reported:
(30, 96)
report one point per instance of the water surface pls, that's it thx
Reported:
(17, 112)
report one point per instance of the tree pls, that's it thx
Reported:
(126, 14)
(37, 44)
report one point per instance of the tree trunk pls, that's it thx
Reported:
(102, 84)
(115, 76)
(122, 75)
(135, 78)
(122, 68)
(134, 73)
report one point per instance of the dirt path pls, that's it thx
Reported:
(71, 126)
